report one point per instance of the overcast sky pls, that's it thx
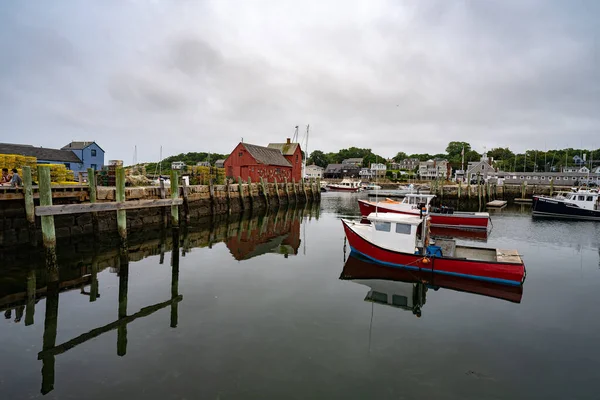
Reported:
(388, 75)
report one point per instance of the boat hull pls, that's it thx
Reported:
(544, 207)
(455, 220)
(341, 189)
(358, 267)
(504, 273)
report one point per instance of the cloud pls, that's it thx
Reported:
(388, 75)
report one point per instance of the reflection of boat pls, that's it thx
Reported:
(412, 205)
(346, 185)
(400, 287)
(579, 205)
(392, 240)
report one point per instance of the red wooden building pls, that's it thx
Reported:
(293, 153)
(249, 160)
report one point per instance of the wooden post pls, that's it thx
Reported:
(31, 289)
(551, 187)
(186, 206)
(120, 198)
(264, 191)
(163, 195)
(211, 192)
(228, 188)
(523, 189)
(304, 189)
(295, 191)
(277, 192)
(469, 189)
(93, 196)
(250, 195)
(479, 190)
(28, 189)
(241, 192)
(174, 195)
(287, 191)
(48, 232)
(459, 188)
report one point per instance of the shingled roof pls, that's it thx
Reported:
(40, 153)
(266, 155)
(78, 145)
(287, 149)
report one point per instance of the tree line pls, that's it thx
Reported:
(505, 159)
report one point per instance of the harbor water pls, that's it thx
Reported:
(272, 306)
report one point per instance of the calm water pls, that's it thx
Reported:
(266, 308)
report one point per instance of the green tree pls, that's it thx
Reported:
(501, 153)
(319, 158)
(454, 150)
(400, 156)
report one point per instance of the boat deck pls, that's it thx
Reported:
(450, 249)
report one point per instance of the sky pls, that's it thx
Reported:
(388, 75)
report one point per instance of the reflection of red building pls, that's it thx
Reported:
(282, 237)
(255, 162)
(293, 153)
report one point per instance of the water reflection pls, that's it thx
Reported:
(246, 236)
(407, 290)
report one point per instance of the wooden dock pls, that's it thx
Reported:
(521, 200)
(497, 203)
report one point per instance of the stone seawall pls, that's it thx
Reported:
(202, 201)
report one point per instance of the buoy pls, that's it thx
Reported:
(425, 261)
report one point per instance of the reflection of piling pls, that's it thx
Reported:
(175, 279)
(48, 232)
(94, 284)
(50, 329)
(30, 308)
(123, 287)
(174, 196)
(163, 241)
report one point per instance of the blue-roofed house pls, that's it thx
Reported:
(90, 154)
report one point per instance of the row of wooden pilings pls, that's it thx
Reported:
(486, 191)
(47, 211)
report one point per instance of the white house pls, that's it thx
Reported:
(177, 165)
(483, 167)
(313, 171)
(433, 169)
(201, 164)
(366, 173)
(378, 169)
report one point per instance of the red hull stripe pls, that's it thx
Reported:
(442, 220)
(503, 273)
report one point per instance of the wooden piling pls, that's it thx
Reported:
(551, 187)
(92, 187)
(295, 191)
(459, 188)
(250, 194)
(174, 195)
(264, 191)
(228, 188)
(120, 198)
(211, 193)
(469, 189)
(304, 189)
(28, 195)
(48, 232)
(163, 195)
(186, 205)
(277, 192)
(241, 193)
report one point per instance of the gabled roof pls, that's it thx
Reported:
(352, 161)
(79, 146)
(267, 155)
(287, 149)
(40, 153)
(334, 167)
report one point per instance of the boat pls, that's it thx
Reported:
(582, 204)
(346, 185)
(407, 290)
(393, 240)
(412, 204)
(371, 186)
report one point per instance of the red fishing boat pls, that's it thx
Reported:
(393, 240)
(440, 217)
(361, 270)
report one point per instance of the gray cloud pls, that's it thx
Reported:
(392, 76)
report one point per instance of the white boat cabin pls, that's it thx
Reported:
(347, 184)
(397, 232)
(585, 199)
(415, 199)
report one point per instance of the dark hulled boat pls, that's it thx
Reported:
(577, 205)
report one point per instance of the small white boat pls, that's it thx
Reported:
(371, 186)
(346, 185)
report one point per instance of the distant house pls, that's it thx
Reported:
(220, 163)
(578, 160)
(313, 171)
(378, 169)
(43, 155)
(596, 170)
(408, 164)
(353, 161)
(433, 169)
(545, 178)
(333, 171)
(177, 165)
(255, 162)
(90, 154)
(293, 153)
(203, 164)
(584, 169)
(483, 167)
(366, 173)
